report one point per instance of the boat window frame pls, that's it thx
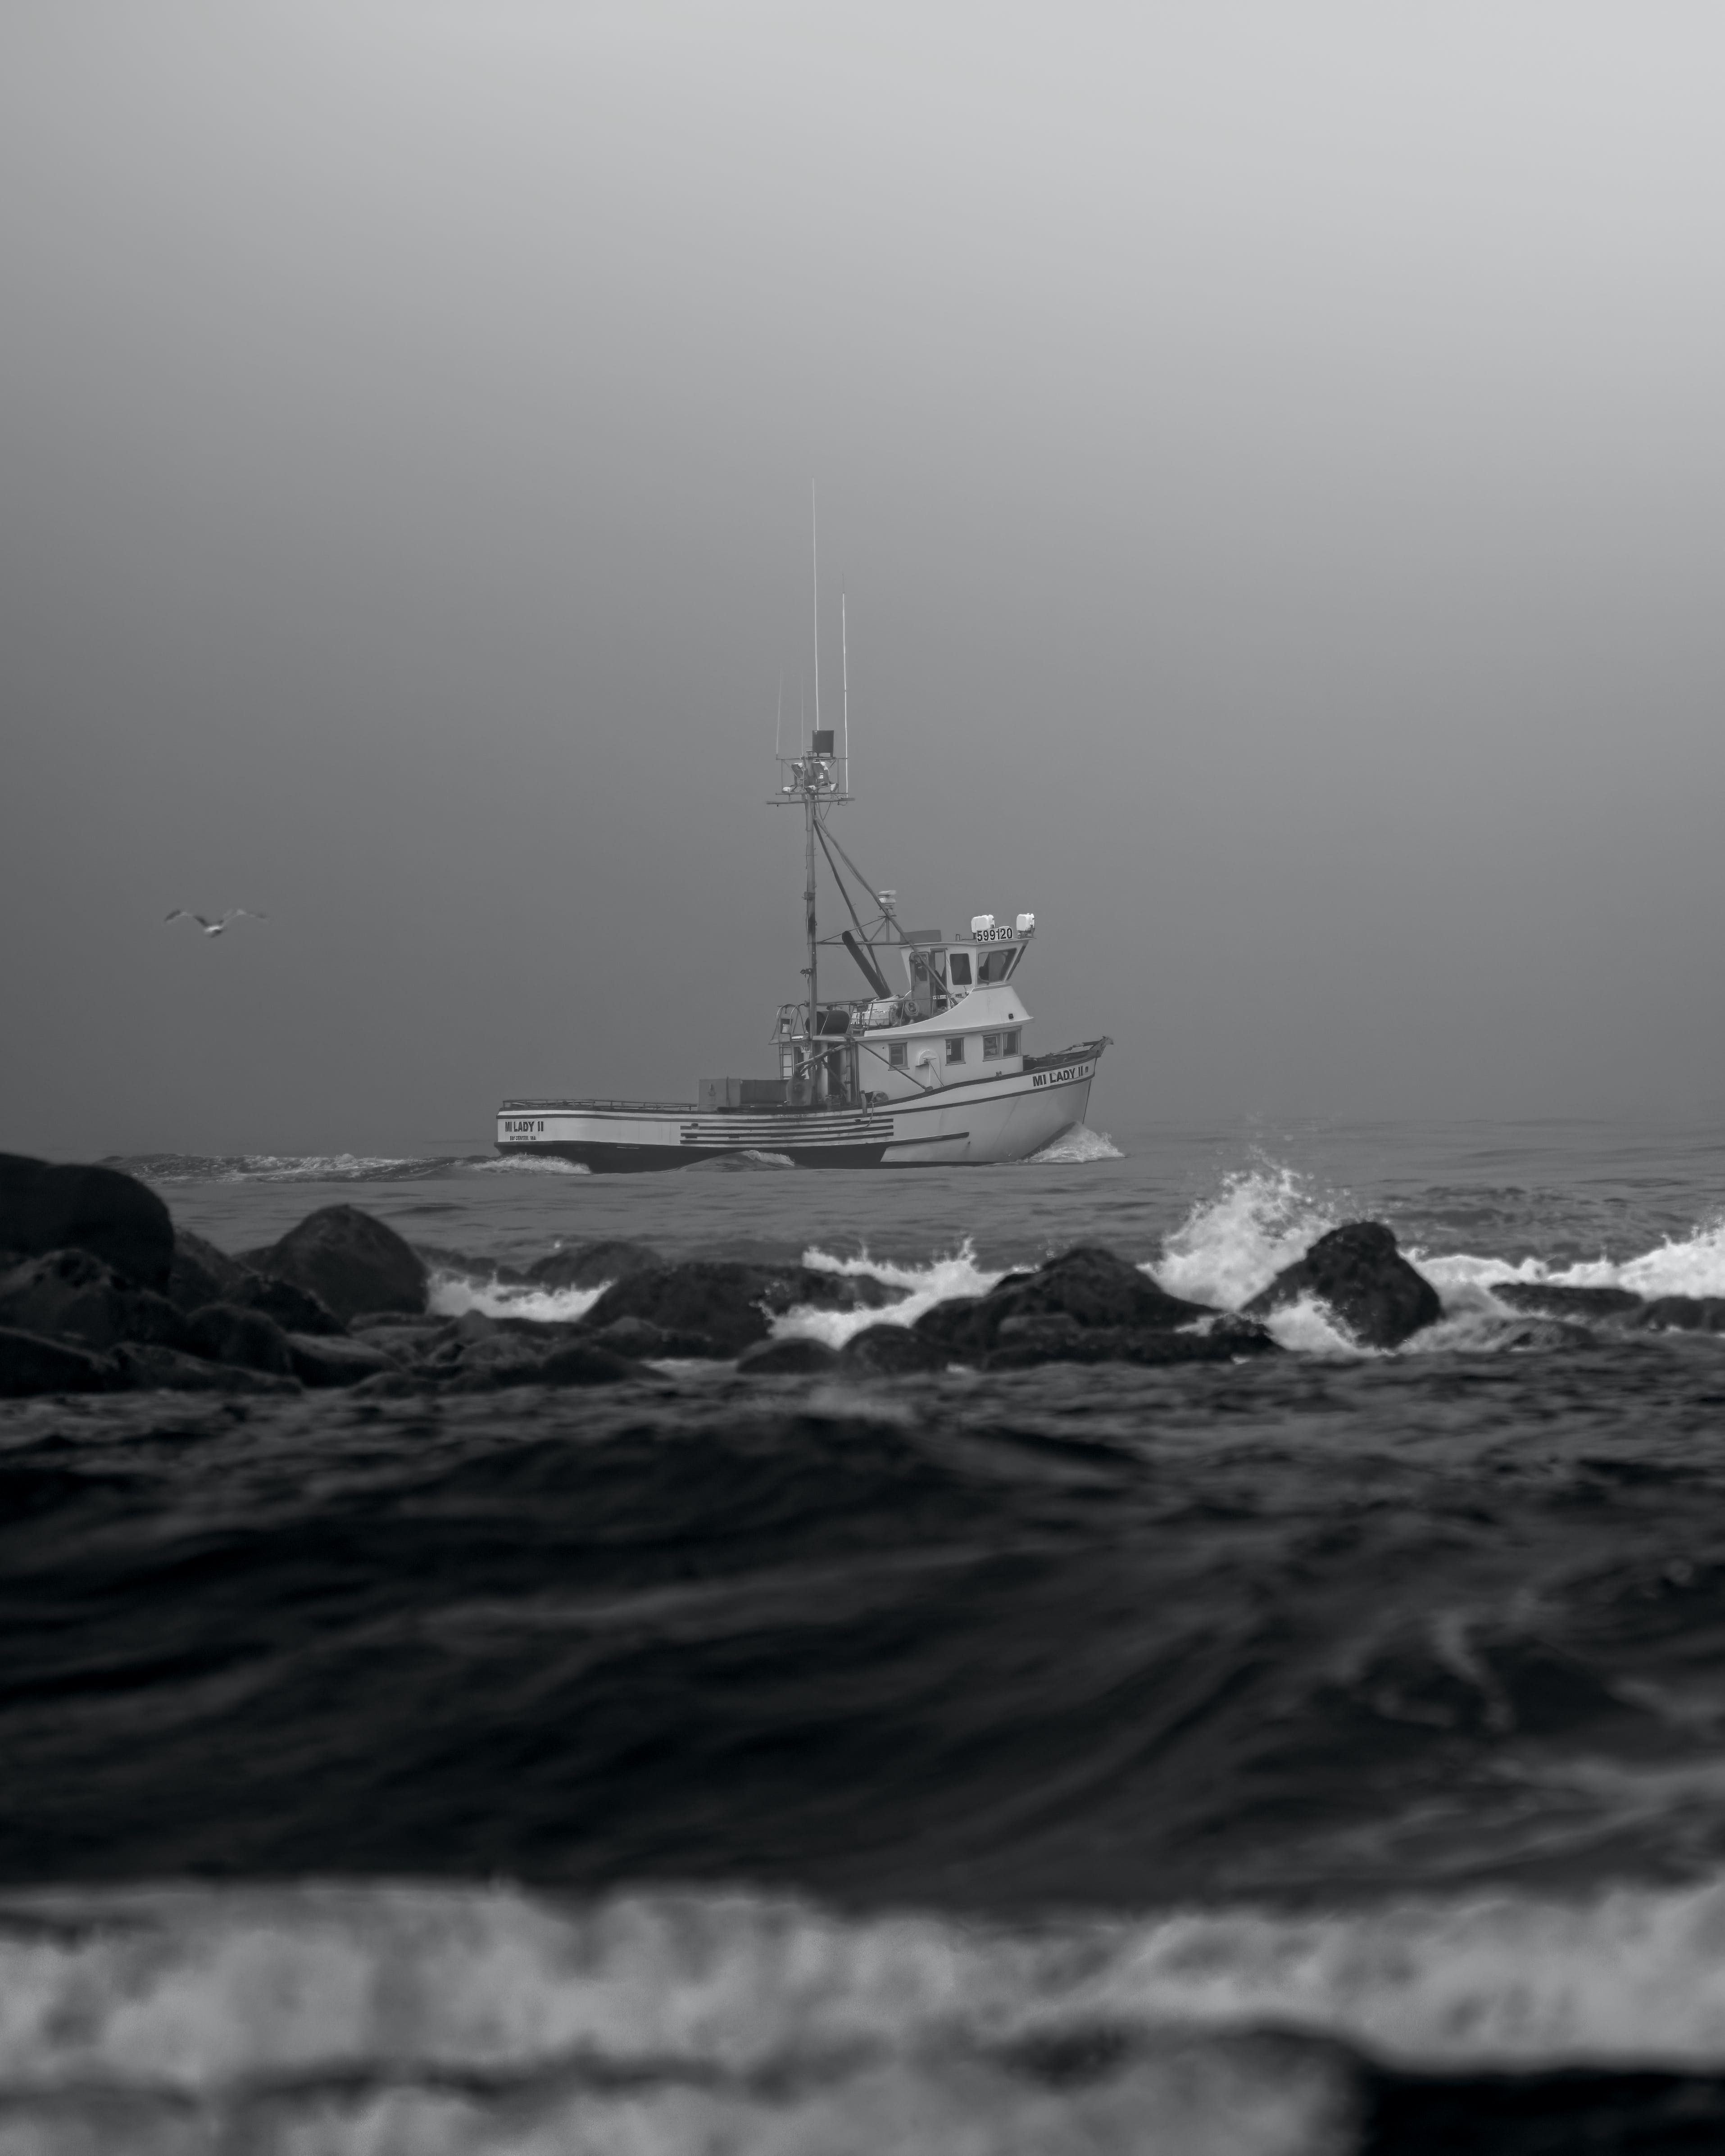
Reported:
(898, 1054)
(991, 1047)
(955, 1048)
(956, 977)
(1009, 1041)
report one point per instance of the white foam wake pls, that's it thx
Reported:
(1080, 1144)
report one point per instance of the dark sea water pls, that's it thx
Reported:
(1324, 1753)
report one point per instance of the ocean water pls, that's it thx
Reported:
(1322, 1754)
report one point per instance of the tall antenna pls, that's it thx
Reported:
(779, 722)
(844, 676)
(815, 556)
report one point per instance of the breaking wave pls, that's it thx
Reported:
(452, 1294)
(443, 2018)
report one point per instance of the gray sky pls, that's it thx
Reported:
(1273, 455)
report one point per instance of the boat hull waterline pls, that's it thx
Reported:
(992, 1120)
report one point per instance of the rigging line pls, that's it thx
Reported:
(842, 892)
(855, 871)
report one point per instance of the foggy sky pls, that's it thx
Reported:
(1273, 456)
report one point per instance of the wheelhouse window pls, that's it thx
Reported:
(961, 969)
(991, 1046)
(995, 965)
(955, 1048)
(1010, 1042)
(896, 1053)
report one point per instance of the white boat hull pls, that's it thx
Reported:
(1009, 1118)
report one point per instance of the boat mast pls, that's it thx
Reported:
(808, 793)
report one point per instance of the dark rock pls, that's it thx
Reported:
(201, 1274)
(29, 1364)
(729, 1302)
(1087, 1288)
(1547, 1299)
(46, 1206)
(887, 1350)
(593, 1264)
(575, 1363)
(391, 1331)
(295, 1309)
(784, 1358)
(579, 1363)
(1361, 1278)
(74, 1297)
(160, 1369)
(642, 1343)
(1683, 1313)
(352, 1262)
(1022, 1343)
(223, 1332)
(322, 1360)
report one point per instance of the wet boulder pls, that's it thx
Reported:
(295, 1309)
(58, 1206)
(319, 1360)
(29, 1365)
(352, 1262)
(136, 1368)
(1683, 1313)
(201, 1273)
(731, 1302)
(1084, 1289)
(73, 1296)
(1023, 1343)
(513, 1362)
(224, 1333)
(890, 1351)
(787, 1358)
(1546, 1299)
(593, 1264)
(639, 1341)
(1357, 1273)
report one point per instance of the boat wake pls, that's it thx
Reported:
(1079, 1144)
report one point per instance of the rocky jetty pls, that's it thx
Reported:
(719, 1306)
(1358, 1275)
(1084, 1305)
(100, 1293)
(121, 1302)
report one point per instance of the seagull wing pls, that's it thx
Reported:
(179, 913)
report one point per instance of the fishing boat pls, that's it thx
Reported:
(930, 1068)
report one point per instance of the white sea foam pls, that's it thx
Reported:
(923, 1286)
(525, 1163)
(1693, 1265)
(450, 1295)
(666, 2022)
(1080, 1144)
(1229, 1246)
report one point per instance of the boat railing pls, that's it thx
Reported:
(1083, 1051)
(533, 1107)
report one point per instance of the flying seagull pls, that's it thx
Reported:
(215, 927)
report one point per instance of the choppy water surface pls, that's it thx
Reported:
(1322, 1754)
